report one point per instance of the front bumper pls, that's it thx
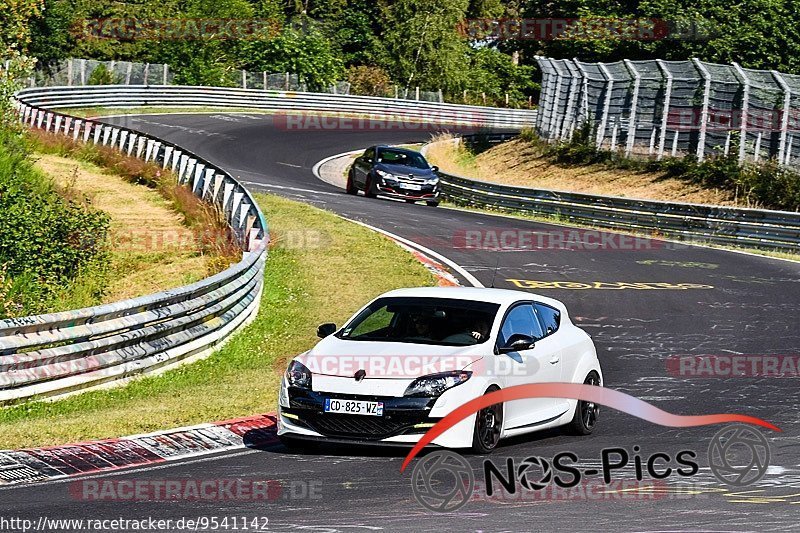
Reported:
(428, 192)
(404, 420)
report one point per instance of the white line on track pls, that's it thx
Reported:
(283, 187)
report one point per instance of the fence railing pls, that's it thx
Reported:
(753, 228)
(58, 353)
(438, 114)
(662, 108)
(78, 72)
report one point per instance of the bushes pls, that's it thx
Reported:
(765, 184)
(46, 240)
(369, 81)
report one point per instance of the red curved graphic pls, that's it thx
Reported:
(590, 393)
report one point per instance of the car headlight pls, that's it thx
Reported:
(297, 375)
(436, 384)
(385, 175)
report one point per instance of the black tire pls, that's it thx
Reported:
(350, 187)
(586, 413)
(432, 203)
(488, 427)
(368, 192)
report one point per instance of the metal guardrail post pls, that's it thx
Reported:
(662, 137)
(745, 81)
(570, 112)
(701, 141)
(787, 104)
(601, 129)
(584, 113)
(540, 117)
(634, 104)
(552, 125)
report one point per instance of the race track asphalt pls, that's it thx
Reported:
(715, 302)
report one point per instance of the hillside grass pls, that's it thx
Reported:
(321, 268)
(150, 248)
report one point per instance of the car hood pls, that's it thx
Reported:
(402, 170)
(387, 360)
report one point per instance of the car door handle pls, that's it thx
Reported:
(555, 359)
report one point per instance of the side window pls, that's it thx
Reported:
(520, 320)
(549, 317)
(369, 155)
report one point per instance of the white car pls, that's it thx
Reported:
(411, 356)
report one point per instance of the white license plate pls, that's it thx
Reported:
(353, 407)
(412, 186)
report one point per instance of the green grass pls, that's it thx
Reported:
(345, 266)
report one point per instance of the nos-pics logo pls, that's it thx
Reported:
(444, 481)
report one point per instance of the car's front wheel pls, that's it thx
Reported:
(368, 192)
(488, 427)
(585, 418)
(351, 186)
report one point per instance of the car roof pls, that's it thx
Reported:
(503, 297)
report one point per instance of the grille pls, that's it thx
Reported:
(357, 426)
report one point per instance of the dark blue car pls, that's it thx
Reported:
(394, 172)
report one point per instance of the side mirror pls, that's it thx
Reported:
(517, 343)
(325, 330)
(435, 168)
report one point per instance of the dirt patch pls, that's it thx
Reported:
(516, 162)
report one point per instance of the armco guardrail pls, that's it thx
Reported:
(184, 96)
(754, 228)
(58, 353)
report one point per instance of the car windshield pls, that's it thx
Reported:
(440, 321)
(400, 157)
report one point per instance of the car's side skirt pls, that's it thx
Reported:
(536, 426)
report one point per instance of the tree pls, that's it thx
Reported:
(425, 45)
(305, 53)
(15, 18)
